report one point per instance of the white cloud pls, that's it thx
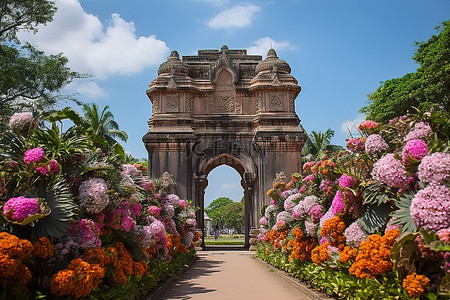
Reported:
(263, 45)
(89, 89)
(236, 17)
(350, 127)
(229, 187)
(99, 49)
(216, 2)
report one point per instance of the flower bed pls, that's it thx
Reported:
(77, 223)
(371, 222)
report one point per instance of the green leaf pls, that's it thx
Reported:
(377, 194)
(375, 217)
(403, 213)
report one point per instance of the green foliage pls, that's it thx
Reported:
(377, 194)
(215, 243)
(403, 213)
(374, 218)
(23, 15)
(29, 79)
(234, 215)
(429, 85)
(317, 143)
(215, 210)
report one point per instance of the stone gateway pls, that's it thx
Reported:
(224, 107)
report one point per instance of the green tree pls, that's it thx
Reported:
(317, 143)
(26, 15)
(234, 215)
(428, 86)
(215, 211)
(29, 79)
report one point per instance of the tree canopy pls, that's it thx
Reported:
(428, 86)
(215, 210)
(317, 143)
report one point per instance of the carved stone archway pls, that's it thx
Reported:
(224, 107)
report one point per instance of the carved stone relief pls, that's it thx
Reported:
(173, 103)
(275, 102)
(292, 101)
(155, 104)
(224, 100)
(189, 103)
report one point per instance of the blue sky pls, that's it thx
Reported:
(339, 51)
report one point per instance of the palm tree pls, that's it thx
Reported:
(317, 143)
(103, 124)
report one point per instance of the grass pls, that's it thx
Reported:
(229, 242)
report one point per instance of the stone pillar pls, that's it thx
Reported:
(200, 183)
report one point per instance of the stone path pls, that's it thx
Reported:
(231, 275)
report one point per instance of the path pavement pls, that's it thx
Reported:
(231, 275)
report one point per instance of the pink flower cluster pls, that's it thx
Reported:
(309, 178)
(435, 168)
(355, 145)
(346, 181)
(20, 121)
(148, 186)
(188, 238)
(263, 221)
(421, 130)
(51, 168)
(368, 125)
(20, 208)
(390, 171)
(415, 150)
(375, 144)
(304, 207)
(123, 216)
(148, 238)
(328, 215)
(93, 195)
(191, 223)
(430, 208)
(87, 232)
(284, 216)
(289, 205)
(154, 211)
(128, 170)
(33, 155)
(338, 205)
(354, 235)
(158, 230)
(316, 213)
(310, 228)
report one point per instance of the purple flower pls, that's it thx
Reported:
(42, 170)
(148, 239)
(390, 171)
(128, 224)
(338, 205)
(93, 195)
(414, 149)
(18, 209)
(128, 170)
(347, 181)
(354, 235)
(309, 178)
(87, 233)
(33, 155)
(421, 130)
(54, 167)
(298, 211)
(137, 209)
(375, 144)
(189, 238)
(435, 168)
(430, 208)
(324, 184)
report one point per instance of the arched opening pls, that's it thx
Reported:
(205, 166)
(224, 207)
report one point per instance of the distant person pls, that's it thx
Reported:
(216, 233)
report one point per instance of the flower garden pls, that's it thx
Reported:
(372, 222)
(76, 222)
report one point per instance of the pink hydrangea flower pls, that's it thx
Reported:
(444, 235)
(93, 195)
(421, 130)
(309, 178)
(128, 170)
(430, 208)
(414, 149)
(154, 211)
(328, 215)
(310, 228)
(285, 217)
(435, 168)
(20, 121)
(390, 171)
(188, 238)
(182, 204)
(43, 170)
(87, 232)
(354, 235)
(191, 222)
(316, 213)
(347, 181)
(375, 144)
(289, 205)
(263, 221)
(338, 205)
(137, 207)
(20, 208)
(33, 155)
(148, 185)
(54, 166)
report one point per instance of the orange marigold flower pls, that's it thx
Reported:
(43, 248)
(414, 284)
(348, 254)
(374, 255)
(301, 246)
(320, 254)
(333, 229)
(96, 255)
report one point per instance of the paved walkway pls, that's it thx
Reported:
(231, 275)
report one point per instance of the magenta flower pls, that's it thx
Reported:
(54, 167)
(435, 168)
(20, 208)
(347, 181)
(430, 208)
(338, 205)
(33, 155)
(154, 211)
(284, 216)
(414, 149)
(42, 170)
(316, 213)
(309, 178)
(87, 232)
(288, 205)
(182, 204)
(191, 222)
